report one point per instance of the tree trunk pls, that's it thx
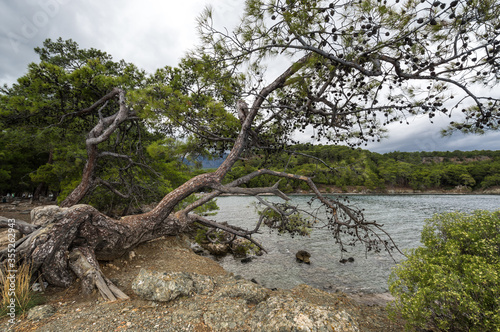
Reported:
(75, 238)
(42, 186)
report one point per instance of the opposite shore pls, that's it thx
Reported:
(361, 190)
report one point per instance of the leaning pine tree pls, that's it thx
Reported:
(352, 67)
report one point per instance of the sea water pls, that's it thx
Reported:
(403, 217)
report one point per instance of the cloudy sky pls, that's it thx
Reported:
(154, 33)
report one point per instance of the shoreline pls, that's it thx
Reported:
(360, 190)
(69, 308)
(375, 194)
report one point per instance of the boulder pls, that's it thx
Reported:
(164, 287)
(243, 248)
(303, 256)
(157, 286)
(228, 315)
(236, 304)
(202, 284)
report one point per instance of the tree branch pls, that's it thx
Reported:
(250, 191)
(100, 133)
(90, 109)
(241, 141)
(111, 188)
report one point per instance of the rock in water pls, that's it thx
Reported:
(303, 256)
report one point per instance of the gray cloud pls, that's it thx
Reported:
(148, 33)
(422, 135)
(25, 25)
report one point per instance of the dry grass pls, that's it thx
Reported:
(18, 290)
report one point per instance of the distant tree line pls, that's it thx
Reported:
(342, 167)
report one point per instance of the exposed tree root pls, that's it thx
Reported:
(83, 262)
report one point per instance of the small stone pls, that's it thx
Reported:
(247, 259)
(196, 248)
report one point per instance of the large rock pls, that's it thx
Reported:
(202, 284)
(157, 286)
(243, 289)
(227, 303)
(217, 249)
(243, 248)
(227, 315)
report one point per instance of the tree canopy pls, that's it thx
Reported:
(47, 115)
(360, 65)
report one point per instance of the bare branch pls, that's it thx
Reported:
(250, 191)
(130, 160)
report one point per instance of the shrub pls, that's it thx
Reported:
(452, 283)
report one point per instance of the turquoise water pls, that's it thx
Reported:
(403, 218)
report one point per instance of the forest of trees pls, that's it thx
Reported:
(329, 165)
(345, 167)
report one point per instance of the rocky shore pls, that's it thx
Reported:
(173, 289)
(395, 190)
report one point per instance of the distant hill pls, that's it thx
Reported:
(206, 163)
(344, 167)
